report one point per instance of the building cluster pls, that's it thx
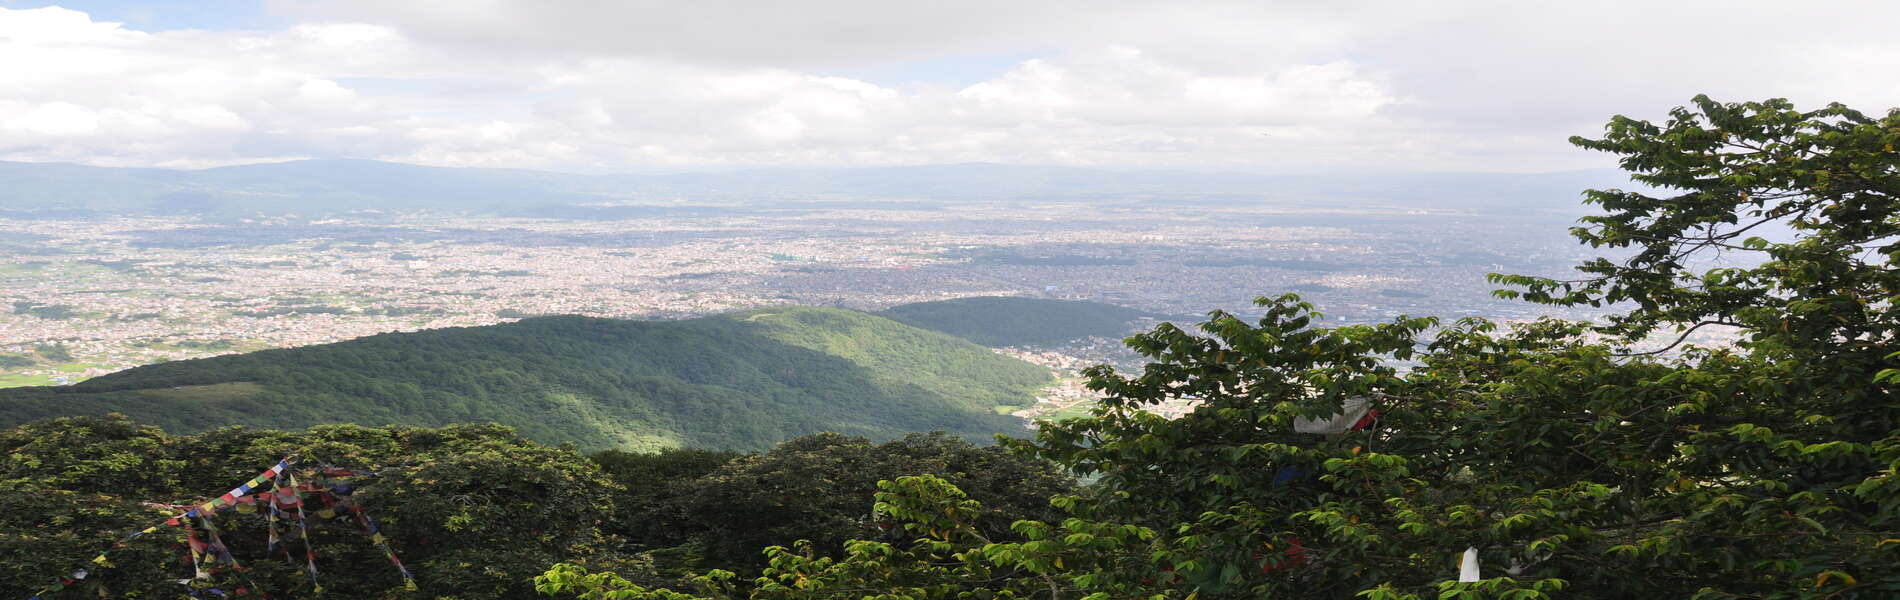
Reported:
(120, 292)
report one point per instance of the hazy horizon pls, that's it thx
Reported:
(716, 169)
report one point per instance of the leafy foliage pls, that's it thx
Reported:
(817, 488)
(474, 510)
(1574, 466)
(651, 479)
(950, 557)
(743, 380)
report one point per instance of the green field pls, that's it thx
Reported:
(13, 381)
(20, 269)
(1079, 410)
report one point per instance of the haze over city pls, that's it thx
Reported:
(670, 160)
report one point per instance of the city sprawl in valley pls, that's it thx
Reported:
(98, 294)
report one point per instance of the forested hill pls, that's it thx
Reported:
(741, 380)
(1006, 321)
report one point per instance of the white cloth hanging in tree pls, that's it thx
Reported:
(1350, 412)
(1468, 568)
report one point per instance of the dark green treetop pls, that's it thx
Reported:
(1572, 466)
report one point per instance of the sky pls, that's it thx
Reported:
(649, 86)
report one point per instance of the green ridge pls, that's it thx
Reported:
(743, 380)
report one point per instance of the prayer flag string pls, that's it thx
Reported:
(284, 500)
(303, 528)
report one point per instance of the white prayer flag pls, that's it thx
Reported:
(1350, 412)
(1468, 568)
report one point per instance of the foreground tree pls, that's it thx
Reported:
(1765, 470)
(820, 487)
(474, 511)
(1560, 461)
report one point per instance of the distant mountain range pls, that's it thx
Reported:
(315, 188)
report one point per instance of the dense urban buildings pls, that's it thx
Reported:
(94, 295)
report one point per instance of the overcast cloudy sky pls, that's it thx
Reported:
(646, 85)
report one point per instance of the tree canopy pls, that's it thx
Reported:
(819, 488)
(474, 511)
(447, 499)
(1561, 460)
(743, 380)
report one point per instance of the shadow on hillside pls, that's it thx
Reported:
(595, 382)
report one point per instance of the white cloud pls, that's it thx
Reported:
(1122, 86)
(622, 85)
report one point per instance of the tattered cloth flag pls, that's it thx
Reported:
(1295, 556)
(329, 486)
(1468, 567)
(287, 496)
(1350, 416)
(173, 521)
(376, 536)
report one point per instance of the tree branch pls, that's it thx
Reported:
(1679, 339)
